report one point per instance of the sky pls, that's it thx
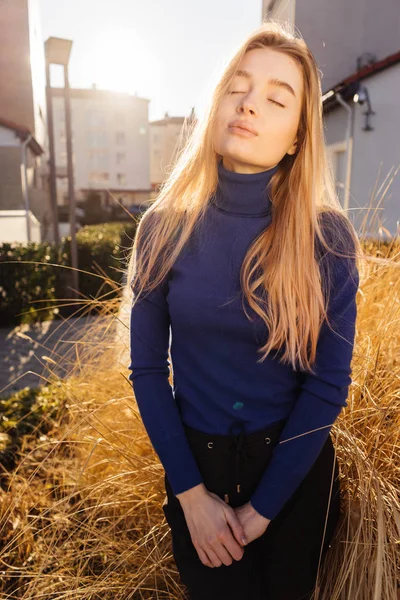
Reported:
(169, 52)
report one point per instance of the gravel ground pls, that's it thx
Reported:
(25, 350)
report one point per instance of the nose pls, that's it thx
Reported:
(248, 106)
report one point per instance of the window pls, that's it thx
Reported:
(98, 159)
(120, 117)
(337, 156)
(120, 137)
(95, 118)
(99, 176)
(121, 156)
(121, 178)
(97, 139)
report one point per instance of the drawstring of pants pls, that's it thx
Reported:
(238, 441)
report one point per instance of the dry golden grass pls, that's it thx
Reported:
(81, 517)
(365, 559)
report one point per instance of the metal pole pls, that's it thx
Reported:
(349, 150)
(52, 162)
(71, 191)
(24, 181)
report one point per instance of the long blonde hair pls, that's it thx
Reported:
(280, 275)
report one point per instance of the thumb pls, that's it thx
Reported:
(237, 527)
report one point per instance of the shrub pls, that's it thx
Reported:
(33, 280)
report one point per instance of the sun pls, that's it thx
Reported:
(121, 61)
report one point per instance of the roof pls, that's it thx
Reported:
(93, 93)
(350, 85)
(168, 120)
(22, 132)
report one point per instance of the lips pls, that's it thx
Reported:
(243, 125)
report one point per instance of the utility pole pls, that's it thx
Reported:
(52, 160)
(58, 51)
(71, 190)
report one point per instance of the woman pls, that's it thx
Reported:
(247, 251)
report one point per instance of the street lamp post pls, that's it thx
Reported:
(52, 160)
(58, 51)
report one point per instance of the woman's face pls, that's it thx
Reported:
(271, 110)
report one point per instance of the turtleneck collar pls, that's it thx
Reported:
(243, 193)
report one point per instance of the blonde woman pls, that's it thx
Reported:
(247, 258)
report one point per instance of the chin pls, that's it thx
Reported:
(238, 149)
(238, 158)
(232, 150)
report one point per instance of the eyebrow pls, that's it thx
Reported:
(272, 81)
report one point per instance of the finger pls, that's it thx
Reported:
(236, 527)
(234, 549)
(213, 557)
(222, 544)
(204, 557)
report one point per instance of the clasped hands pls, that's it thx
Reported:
(218, 531)
(253, 523)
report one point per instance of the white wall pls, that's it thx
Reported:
(8, 137)
(13, 227)
(38, 71)
(376, 153)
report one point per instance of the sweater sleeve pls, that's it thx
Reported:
(150, 369)
(322, 396)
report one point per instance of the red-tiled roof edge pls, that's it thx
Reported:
(380, 65)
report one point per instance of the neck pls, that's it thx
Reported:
(244, 194)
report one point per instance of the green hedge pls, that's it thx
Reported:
(28, 412)
(38, 290)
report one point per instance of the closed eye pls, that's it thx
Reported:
(275, 102)
(270, 99)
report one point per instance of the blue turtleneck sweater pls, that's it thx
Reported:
(216, 377)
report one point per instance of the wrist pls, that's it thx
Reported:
(259, 515)
(192, 494)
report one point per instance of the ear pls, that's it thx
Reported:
(293, 148)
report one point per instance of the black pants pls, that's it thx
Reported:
(281, 564)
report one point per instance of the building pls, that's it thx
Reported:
(22, 188)
(356, 47)
(165, 140)
(283, 10)
(22, 117)
(110, 142)
(22, 67)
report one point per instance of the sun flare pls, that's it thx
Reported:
(121, 61)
